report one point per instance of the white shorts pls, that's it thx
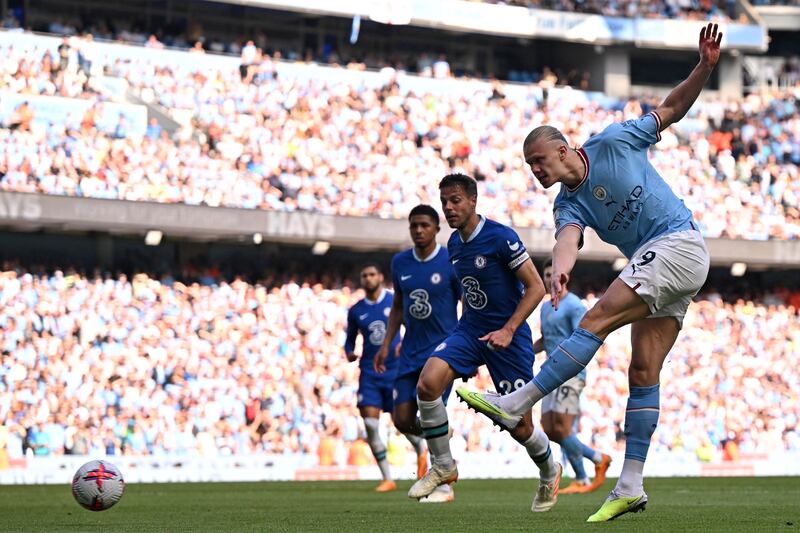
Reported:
(565, 399)
(668, 271)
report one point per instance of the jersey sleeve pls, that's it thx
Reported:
(352, 332)
(396, 279)
(565, 214)
(640, 133)
(511, 250)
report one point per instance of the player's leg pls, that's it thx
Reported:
(371, 416)
(436, 376)
(651, 341)
(458, 355)
(370, 402)
(619, 306)
(511, 368)
(405, 417)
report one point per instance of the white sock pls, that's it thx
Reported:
(521, 400)
(433, 418)
(538, 448)
(630, 481)
(376, 445)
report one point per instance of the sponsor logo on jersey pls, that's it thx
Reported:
(403, 278)
(513, 247)
(362, 317)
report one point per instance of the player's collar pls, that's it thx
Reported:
(378, 300)
(475, 232)
(585, 159)
(430, 257)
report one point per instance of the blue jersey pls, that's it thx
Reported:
(486, 264)
(369, 319)
(430, 292)
(622, 197)
(559, 325)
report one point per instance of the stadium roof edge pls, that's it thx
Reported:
(516, 21)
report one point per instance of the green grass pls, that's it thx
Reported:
(719, 504)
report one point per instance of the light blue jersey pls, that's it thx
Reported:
(622, 197)
(559, 325)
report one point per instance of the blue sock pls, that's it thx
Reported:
(572, 447)
(590, 453)
(641, 419)
(571, 356)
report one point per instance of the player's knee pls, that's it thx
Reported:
(596, 320)
(427, 389)
(557, 433)
(404, 423)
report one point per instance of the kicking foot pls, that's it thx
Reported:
(436, 475)
(616, 505)
(600, 470)
(387, 485)
(441, 494)
(547, 494)
(487, 404)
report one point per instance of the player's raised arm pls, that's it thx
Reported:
(392, 328)
(565, 253)
(678, 102)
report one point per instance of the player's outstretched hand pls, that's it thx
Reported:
(557, 282)
(498, 340)
(379, 360)
(709, 44)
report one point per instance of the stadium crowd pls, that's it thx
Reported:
(147, 366)
(260, 138)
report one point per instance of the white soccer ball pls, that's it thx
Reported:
(97, 485)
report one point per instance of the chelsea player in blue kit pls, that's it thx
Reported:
(426, 295)
(368, 317)
(610, 186)
(501, 289)
(561, 408)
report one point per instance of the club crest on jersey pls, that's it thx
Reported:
(387, 311)
(436, 278)
(599, 193)
(480, 261)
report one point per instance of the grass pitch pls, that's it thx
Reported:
(717, 504)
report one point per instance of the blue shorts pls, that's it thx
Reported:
(405, 388)
(509, 369)
(375, 391)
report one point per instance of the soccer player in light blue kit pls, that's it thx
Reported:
(501, 289)
(610, 186)
(561, 408)
(368, 317)
(426, 295)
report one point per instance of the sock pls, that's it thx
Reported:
(377, 447)
(630, 482)
(641, 419)
(591, 454)
(433, 418)
(538, 448)
(571, 356)
(572, 447)
(416, 442)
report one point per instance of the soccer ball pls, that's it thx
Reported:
(97, 485)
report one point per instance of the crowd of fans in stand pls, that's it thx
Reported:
(146, 366)
(257, 138)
